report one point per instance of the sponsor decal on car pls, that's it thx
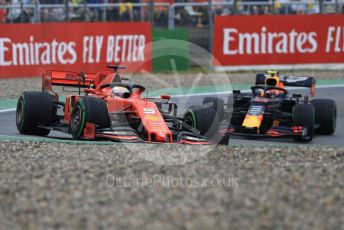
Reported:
(152, 118)
(148, 111)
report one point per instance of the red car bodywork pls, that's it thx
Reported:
(134, 107)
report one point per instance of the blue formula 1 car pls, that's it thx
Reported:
(269, 110)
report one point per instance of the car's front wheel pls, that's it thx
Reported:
(203, 119)
(217, 104)
(303, 115)
(88, 110)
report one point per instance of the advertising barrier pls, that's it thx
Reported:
(279, 41)
(30, 49)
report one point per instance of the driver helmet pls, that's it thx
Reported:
(119, 91)
(272, 79)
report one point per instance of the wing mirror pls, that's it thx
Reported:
(165, 96)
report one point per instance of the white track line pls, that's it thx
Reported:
(7, 110)
(330, 86)
(205, 94)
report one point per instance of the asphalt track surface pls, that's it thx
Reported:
(9, 131)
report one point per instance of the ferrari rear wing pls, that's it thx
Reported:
(79, 80)
(71, 79)
(294, 81)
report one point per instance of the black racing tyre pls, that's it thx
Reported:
(303, 115)
(88, 109)
(217, 104)
(203, 119)
(325, 116)
(33, 109)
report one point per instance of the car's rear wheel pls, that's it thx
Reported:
(303, 115)
(325, 116)
(34, 109)
(88, 110)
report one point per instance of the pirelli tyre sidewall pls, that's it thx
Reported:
(88, 109)
(78, 120)
(303, 115)
(33, 110)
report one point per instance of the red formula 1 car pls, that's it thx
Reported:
(105, 107)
